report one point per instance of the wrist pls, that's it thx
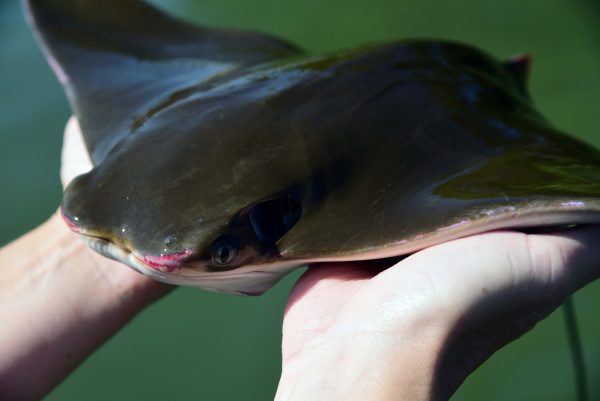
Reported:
(58, 303)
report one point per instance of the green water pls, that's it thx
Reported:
(198, 345)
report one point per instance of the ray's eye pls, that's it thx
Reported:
(224, 254)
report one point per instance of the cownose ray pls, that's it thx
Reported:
(225, 159)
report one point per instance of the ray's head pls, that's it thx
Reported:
(180, 225)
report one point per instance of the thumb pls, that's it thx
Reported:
(539, 268)
(512, 281)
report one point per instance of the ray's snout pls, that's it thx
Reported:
(71, 222)
(164, 262)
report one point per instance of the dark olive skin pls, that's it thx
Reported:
(215, 150)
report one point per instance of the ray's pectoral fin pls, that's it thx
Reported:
(117, 59)
(271, 219)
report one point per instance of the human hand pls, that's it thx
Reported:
(59, 301)
(416, 330)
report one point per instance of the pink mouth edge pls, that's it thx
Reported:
(170, 263)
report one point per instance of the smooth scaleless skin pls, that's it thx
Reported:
(224, 159)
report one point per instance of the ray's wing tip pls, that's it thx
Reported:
(29, 12)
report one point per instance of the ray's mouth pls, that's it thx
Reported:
(170, 263)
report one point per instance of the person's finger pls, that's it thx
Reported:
(75, 158)
(576, 256)
(330, 277)
(466, 270)
(536, 276)
(317, 301)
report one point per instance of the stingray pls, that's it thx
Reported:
(225, 159)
